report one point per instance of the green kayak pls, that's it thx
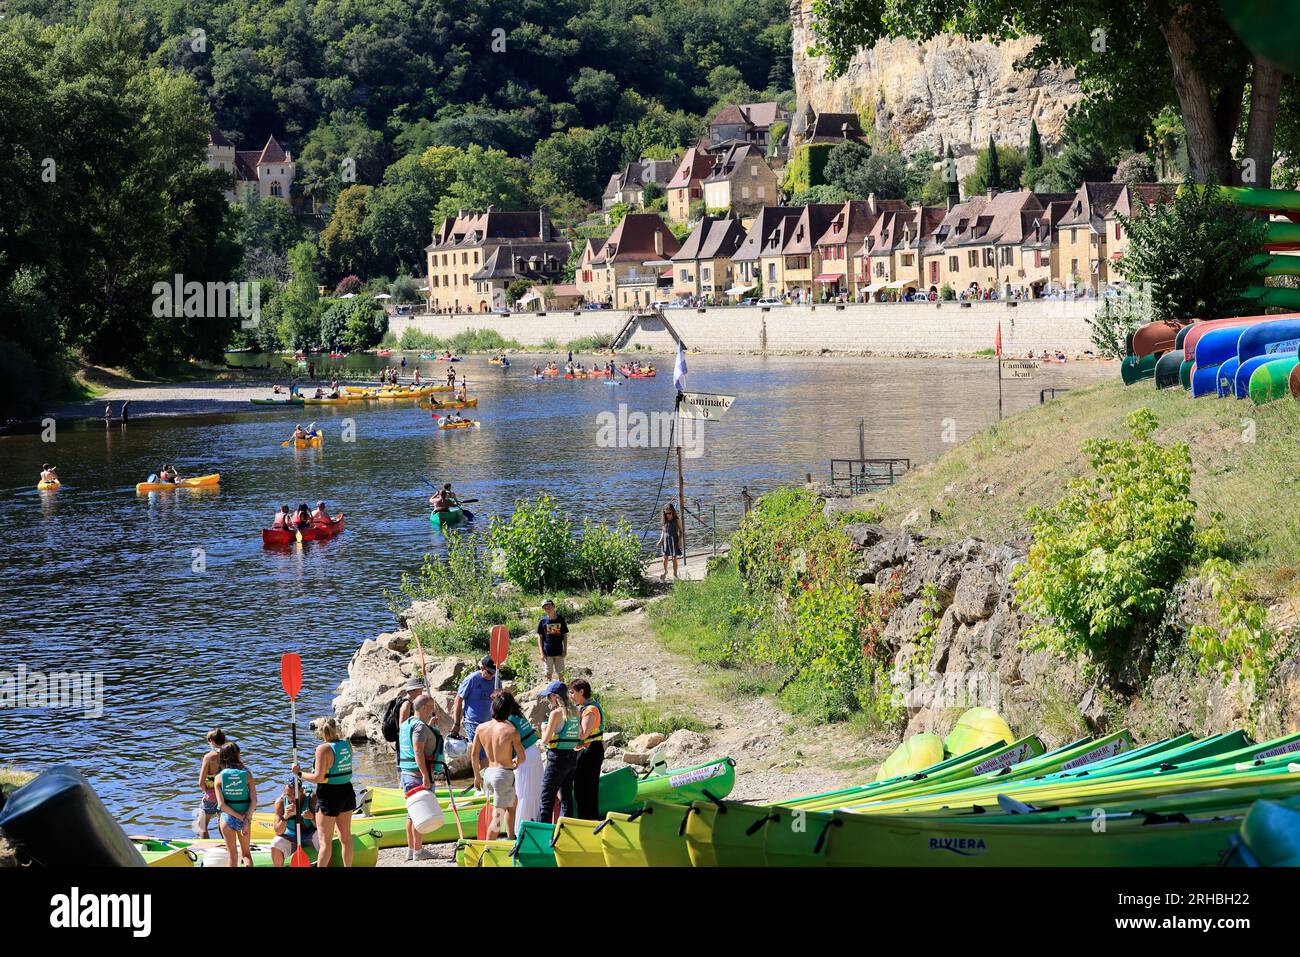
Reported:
(686, 784)
(1270, 834)
(533, 846)
(1167, 367)
(446, 519)
(276, 401)
(877, 840)
(663, 834)
(1133, 369)
(1272, 380)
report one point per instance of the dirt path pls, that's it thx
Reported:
(776, 755)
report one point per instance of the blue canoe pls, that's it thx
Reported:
(1226, 377)
(1247, 369)
(1278, 338)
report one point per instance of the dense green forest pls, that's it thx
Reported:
(396, 111)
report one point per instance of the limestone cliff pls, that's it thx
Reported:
(947, 90)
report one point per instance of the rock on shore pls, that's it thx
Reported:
(383, 664)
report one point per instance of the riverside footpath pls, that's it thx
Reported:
(921, 329)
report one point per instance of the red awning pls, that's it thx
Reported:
(830, 277)
(667, 273)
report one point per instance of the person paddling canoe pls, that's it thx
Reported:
(49, 473)
(168, 474)
(208, 770)
(320, 515)
(302, 517)
(334, 791)
(444, 499)
(283, 518)
(236, 796)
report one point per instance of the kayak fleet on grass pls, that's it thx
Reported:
(997, 801)
(1255, 357)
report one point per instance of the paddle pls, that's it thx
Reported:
(499, 648)
(291, 680)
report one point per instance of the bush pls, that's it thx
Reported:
(1115, 322)
(1106, 556)
(1197, 253)
(20, 381)
(608, 557)
(534, 546)
(462, 582)
(785, 541)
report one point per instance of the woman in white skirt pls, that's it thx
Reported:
(528, 776)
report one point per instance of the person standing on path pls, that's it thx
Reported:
(591, 750)
(561, 740)
(420, 761)
(528, 774)
(553, 640)
(334, 792)
(670, 539)
(504, 752)
(474, 700)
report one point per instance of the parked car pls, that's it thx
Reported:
(748, 301)
(770, 302)
(596, 305)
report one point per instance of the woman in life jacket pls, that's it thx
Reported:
(335, 795)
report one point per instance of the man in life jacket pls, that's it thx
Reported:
(591, 749)
(283, 519)
(320, 514)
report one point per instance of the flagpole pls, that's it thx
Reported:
(998, 364)
(679, 376)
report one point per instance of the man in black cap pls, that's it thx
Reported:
(474, 700)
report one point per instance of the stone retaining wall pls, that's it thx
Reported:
(883, 328)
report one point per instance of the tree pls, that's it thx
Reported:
(1034, 151)
(483, 178)
(1135, 168)
(299, 301)
(994, 176)
(997, 164)
(573, 163)
(1197, 253)
(345, 240)
(1133, 58)
(823, 193)
(949, 175)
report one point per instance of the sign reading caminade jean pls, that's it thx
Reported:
(1019, 368)
(704, 405)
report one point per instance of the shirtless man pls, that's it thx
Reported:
(499, 740)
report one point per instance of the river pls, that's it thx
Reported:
(172, 598)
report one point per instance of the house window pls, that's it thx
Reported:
(880, 267)
(275, 190)
(1074, 235)
(907, 259)
(1119, 231)
(762, 192)
(1038, 258)
(744, 192)
(753, 171)
(934, 271)
(686, 275)
(952, 264)
(1006, 255)
(972, 258)
(706, 274)
(988, 256)
(771, 272)
(1074, 267)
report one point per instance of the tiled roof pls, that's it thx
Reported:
(639, 172)
(470, 229)
(1092, 203)
(217, 138)
(729, 115)
(713, 238)
(809, 227)
(769, 218)
(695, 165)
(727, 163)
(833, 127)
(762, 115)
(855, 219)
(523, 261)
(633, 239)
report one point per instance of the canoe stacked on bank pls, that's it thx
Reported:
(1179, 802)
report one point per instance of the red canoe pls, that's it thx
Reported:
(627, 371)
(282, 536)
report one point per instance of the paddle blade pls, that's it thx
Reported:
(499, 644)
(300, 858)
(291, 673)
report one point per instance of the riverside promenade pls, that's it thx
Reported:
(906, 329)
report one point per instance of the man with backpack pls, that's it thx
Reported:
(398, 710)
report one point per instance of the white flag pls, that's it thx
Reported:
(679, 369)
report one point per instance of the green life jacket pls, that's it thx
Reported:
(406, 748)
(599, 733)
(527, 733)
(234, 788)
(300, 820)
(567, 739)
(341, 770)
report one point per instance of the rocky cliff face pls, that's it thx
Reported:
(958, 630)
(947, 90)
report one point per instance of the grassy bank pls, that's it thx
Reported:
(787, 619)
(1245, 458)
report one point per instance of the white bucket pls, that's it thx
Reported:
(424, 810)
(216, 857)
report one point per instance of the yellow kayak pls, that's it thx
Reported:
(314, 442)
(327, 400)
(48, 486)
(457, 404)
(467, 424)
(202, 481)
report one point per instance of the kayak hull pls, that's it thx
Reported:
(453, 516)
(576, 843)
(47, 486)
(278, 401)
(280, 537)
(202, 481)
